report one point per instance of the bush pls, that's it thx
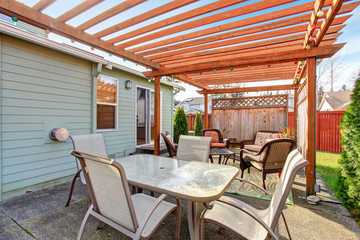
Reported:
(199, 124)
(180, 124)
(349, 180)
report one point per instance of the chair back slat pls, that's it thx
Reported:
(109, 189)
(169, 145)
(89, 143)
(293, 164)
(193, 148)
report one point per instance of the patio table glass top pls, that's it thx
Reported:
(188, 180)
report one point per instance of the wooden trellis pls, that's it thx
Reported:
(251, 102)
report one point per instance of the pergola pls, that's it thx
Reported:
(219, 42)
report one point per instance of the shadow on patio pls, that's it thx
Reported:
(43, 215)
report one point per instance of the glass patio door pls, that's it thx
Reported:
(145, 116)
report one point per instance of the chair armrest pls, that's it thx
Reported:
(255, 185)
(242, 151)
(229, 201)
(246, 141)
(149, 213)
(227, 142)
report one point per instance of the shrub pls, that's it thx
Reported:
(349, 173)
(199, 124)
(180, 124)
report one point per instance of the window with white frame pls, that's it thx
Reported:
(107, 103)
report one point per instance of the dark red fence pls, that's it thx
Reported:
(327, 130)
(327, 135)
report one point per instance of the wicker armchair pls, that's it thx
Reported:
(270, 159)
(217, 140)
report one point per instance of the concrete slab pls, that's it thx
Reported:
(43, 213)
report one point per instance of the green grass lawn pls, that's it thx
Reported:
(327, 165)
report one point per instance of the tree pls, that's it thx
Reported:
(320, 95)
(199, 124)
(349, 180)
(181, 126)
(343, 88)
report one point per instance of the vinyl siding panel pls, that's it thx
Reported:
(41, 89)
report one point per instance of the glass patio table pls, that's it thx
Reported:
(196, 182)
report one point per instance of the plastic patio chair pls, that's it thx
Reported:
(248, 222)
(193, 148)
(270, 159)
(171, 147)
(137, 216)
(89, 143)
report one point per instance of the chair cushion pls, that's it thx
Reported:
(217, 145)
(214, 136)
(248, 158)
(252, 147)
(261, 137)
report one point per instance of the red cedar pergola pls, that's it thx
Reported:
(237, 41)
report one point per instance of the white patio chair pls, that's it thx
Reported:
(193, 148)
(89, 143)
(248, 222)
(137, 216)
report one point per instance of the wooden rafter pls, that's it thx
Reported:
(208, 20)
(31, 16)
(121, 7)
(84, 6)
(330, 16)
(232, 25)
(145, 16)
(181, 17)
(247, 89)
(255, 60)
(43, 4)
(190, 81)
(313, 20)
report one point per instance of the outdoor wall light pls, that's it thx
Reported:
(128, 84)
(59, 134)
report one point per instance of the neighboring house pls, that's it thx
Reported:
(335, 101)
(46, 85)
(195, 105)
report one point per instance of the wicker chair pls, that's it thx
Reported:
(137, 216)
(270, 159)
(171, 147)
(217, 140)
(248, 222)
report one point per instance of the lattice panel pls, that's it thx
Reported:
(251, 102)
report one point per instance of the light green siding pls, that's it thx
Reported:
(43, 89)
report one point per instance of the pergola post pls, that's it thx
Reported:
(206, 119)
(311, 132)
(296, 99)
(157, 116)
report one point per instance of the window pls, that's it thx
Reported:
(107, 103)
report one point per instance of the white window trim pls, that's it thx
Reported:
(116, 105)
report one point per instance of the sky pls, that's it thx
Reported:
(346, 62)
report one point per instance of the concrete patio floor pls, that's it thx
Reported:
(44, 216)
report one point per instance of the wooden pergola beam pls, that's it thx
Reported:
(288, 56)
(190, 81)
(82, 7)
(232, 25)
(246, 89)
(330, 16)
(175, 19)
(43, 4)
(31, 16)
(145, 16)
(313, 20)
(121, 7)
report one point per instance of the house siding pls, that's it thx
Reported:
(43, 89)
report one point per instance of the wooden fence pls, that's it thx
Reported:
(328, 133)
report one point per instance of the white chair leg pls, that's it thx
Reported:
(83, 223)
